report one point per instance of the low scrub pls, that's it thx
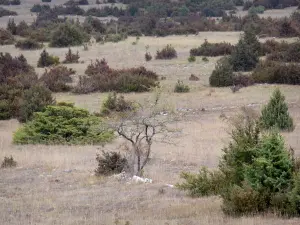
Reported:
(5, 12)
(100, 77)
(36, 8)
(110, 163)
(192, 58)
(8, 162)
(28, 44)
(180, 87)
(71, 57)
(256, 10)
(243, 80)
(204, 183)
(63, 124)
(6, 37)
(116, 104)
(212, 49)
(167, 52)
(46, 60)
(148, 56)
(289, 54)
(277, 73)
(271, 46)
(57, 79)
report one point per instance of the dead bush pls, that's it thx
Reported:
(167, 52)
(57, 78)
(110, 163)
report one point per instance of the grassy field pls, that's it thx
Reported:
(56, 184)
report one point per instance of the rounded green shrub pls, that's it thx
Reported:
(67, 35)
(222, 75)
(63, 124)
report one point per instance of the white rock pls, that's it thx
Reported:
(138, 179)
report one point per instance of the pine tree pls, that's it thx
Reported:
(245, 55)
(275, 113)
(222, 75)
(251, 40)
(11, 26)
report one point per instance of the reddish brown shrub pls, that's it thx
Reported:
(242, 80)
(71, 57)
(57, 78)
(167, 52)
(102, 78)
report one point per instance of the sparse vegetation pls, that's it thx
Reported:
(167, 52)
(180, 87)
(193, 78)
(148, 56)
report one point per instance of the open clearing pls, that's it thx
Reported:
(56, 184)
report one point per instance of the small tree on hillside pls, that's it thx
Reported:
(252, 41)
(275, 113)
(222, 75)
(11, 26)
(245, 55)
